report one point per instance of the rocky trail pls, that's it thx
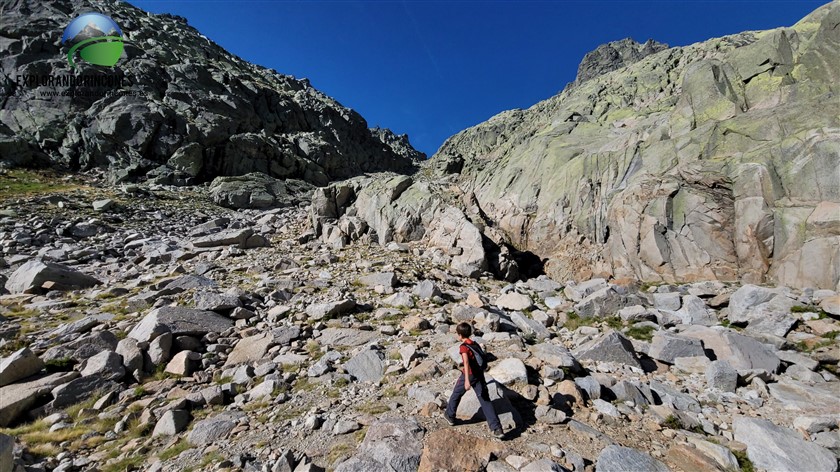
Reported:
(148, 328)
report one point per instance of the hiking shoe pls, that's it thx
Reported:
(499, 433)
(449, 419)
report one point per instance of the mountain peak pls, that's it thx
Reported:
(615, 55)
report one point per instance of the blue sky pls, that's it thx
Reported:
(434, 68)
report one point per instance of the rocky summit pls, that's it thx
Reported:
(649, 261)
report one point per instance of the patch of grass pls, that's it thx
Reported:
(804, 309)
(574, 321)
(744, 462)
(303, 384)
(131, 462)
(359, 435)
(175, 450)
(314, 350)
(224, 380)
(64, 364)
(373, 408)
(75, 410)
(22, 182)
(801, 346)
(644, 333)
(614, 322)
(832, 335)
(672, 422)
(338, 452)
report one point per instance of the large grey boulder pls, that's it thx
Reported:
(530, 326)
(554, 355)
(317, 311)
(213, 429)
(509, 371)
(622, 459)
(772, 447)
(18, 365)
(722, 376)
(258, 190)
(80, 389)
(106, 364)
(366, 366)
(178, 321)
(666, 347)
(514, 301)
(250, 349)
(171, 422)
(393, 444)
(610, 347)
(742, 352)
(385, 279)
(37, 276)
(16, 398)
(132, 355)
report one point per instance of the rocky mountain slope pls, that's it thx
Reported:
(146, 328)
(715, 161)
(189, 111)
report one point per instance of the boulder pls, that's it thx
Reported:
(610, 347)
(366, 366)
(742, 352)
(621, 459)
(530, 326)
(666, 347)
(426, 289)
(514, 301)
(722, 376)
(250, 349)
(183, 363)
(554, 355)
(385, 279)
(17, 398)
(106, 364)
(37, 276)
(509, 371)
(452, 450)
(132, 355)
(694, 312)
(18, 365)
(171, 422)
(213, 429)
(318, 311)
(238, 237)
(772, 447)
(394, 444)
(258, 190)
(80, 389)
(178, 321)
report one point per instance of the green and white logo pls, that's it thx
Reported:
(96, 38)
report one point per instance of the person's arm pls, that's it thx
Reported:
(466, 360)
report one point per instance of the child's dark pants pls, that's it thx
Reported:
(478, 384)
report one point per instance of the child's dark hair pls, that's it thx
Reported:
(464, 329)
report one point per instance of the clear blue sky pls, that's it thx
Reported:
(433, 68)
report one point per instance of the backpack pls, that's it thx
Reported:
(478, 355)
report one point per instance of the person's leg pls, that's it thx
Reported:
(454, 399)
(481, 391)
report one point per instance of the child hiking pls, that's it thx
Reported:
(472, 377)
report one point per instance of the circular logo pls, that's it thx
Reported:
(95, 37)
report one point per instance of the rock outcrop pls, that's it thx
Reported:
(714, 161)
(187, 110)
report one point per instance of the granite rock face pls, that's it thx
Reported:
(191, 112)
(675, 167)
